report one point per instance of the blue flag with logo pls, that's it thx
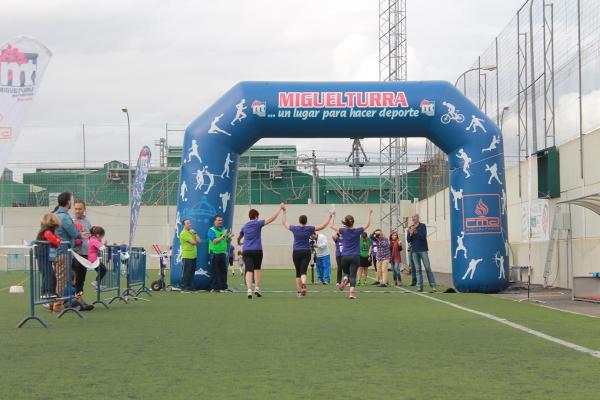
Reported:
(141, 173)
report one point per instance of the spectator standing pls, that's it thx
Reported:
(67, 233)
(374, 255)
(95, 246)
(81, 248)
(323, 260)
(231, 257)
(396, 258)
(383, 257)
(188, 240)
(218, 249)
(417, 237)
(48, 227)
(365, 258)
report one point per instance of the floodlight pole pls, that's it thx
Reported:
(128, 157)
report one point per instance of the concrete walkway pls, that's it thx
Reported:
(556, 298)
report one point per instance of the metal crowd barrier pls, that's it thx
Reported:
(16, 262)
(50, 279)
(136, 273)
(108, 275)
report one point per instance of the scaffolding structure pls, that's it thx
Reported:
(393, 173)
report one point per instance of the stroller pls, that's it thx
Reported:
(161, 283)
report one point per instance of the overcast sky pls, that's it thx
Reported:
(169, 60)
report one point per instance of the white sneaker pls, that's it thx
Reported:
(257, 292)
(250, 293)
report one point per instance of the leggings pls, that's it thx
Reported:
(350, 266)
(301, 260)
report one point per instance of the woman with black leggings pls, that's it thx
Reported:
(302, 251)
(351, 250)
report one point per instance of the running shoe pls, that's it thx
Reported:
(250, 293)
(343, 284)
(257, 292)
(299, 295)
(303, 289)
(433, 290)
(351, 295)
(420, 289)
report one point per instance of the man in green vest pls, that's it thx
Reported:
(218, 243)
(188, 240)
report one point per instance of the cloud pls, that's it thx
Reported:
(168, 61)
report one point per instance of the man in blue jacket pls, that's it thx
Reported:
(417, 237)
(68, 233)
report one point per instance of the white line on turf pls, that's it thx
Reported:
(504, 321)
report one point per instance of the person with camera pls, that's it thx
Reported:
(417, 237)
(322, 258)
(188, 240)
(383, 257)
(302, 250)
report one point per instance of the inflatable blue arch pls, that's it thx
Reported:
(436, 110)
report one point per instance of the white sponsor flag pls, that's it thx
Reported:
(22, 64)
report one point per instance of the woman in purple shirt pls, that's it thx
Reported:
(350, 250)
(301, 251)
(337, 239)
(252, 248)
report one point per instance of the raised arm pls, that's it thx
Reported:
(284, 219)
(274, 216)
(333, 227)
(366, 226)
(324, 224)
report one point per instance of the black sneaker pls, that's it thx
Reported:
(375, 283)
(383, 285)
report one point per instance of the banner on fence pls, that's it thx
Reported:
(22, 64)
(141, 173)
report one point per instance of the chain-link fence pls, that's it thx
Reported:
(540, 78)
(91, 161)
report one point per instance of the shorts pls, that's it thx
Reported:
(253, 260)
(301, 260)
(364, 262)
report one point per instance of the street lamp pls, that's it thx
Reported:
(128, 157)
(485, 68)
(502, 117)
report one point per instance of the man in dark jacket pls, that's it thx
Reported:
(417, 237)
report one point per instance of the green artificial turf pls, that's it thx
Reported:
(386, 344)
